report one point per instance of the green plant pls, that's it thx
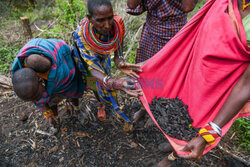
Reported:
(198, 6)
(241, 127)
(68, 15)
(8, 53)
(70, 12)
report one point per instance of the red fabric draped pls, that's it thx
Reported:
(200, 65)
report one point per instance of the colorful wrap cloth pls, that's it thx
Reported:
(96, 56)
(245, 3)
(200, 65)
(63, 79)
(164, 19)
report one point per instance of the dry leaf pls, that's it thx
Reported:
(54, 149)
(82, 134)
(134, 144)
(128, 127)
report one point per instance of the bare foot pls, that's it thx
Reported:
(54, 125)
(164, 163)
(138, 115)
(165, 147)
(149, 124)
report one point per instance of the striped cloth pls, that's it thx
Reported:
(63, 79)
(98, 62)
(164, 19)
(245, 4)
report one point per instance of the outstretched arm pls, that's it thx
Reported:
(132, 4)
(239, 96)
(126, 84)
(189, 5)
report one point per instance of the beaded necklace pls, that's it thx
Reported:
(100, 46)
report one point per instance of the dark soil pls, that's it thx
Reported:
(172, 116)
(27, 142)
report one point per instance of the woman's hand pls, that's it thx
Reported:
(196, 146)
(130, 69)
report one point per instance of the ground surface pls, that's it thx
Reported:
(93, 143)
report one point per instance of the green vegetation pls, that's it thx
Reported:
(68, 15)
(241, 127)
(65, 15)
(7, 55)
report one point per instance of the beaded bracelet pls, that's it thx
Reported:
(48, 113)
(171, 157)
(209, 134)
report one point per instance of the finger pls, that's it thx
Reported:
(135, 67)
(187, 156)
(130, 87)
(134, 93)
(141, 63)
(131, 93)
(131, 81)
(131, 75)
(187, 148)
(135, 75)
(138, 92)
(138, 68)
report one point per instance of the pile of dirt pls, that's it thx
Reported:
(172, 116)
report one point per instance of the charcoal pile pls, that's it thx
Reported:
(172, 116)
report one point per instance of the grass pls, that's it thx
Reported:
(241, 127)
(8, 53)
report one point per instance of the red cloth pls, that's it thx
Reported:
(200, 65)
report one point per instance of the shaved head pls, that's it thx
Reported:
(93, 4)
(25, 83)
(39, 63)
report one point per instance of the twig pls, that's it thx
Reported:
(133, 42)
(31, 142)
(38, 28)
(47, 27)
(12, 108)
(5, 81)
(232, 136)
(215, 156)
(141, 146)
(43, 133)
(235, 156)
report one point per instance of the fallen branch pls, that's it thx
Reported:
(235, 156)
(38, 28)
(133, 42)
(5, 82)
